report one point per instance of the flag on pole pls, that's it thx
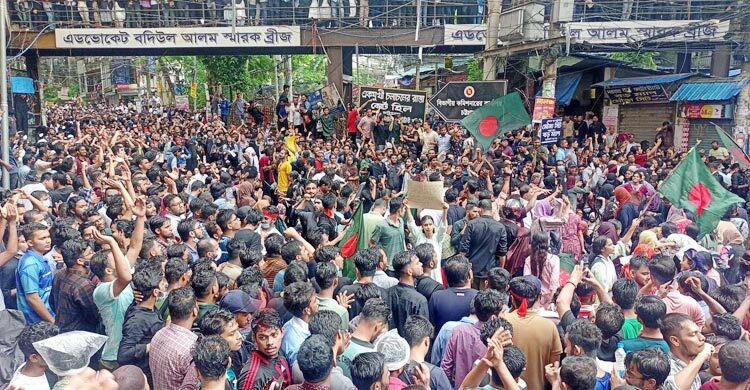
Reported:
(734, 149)
(505, 113)
(352, 242)
(692, 187)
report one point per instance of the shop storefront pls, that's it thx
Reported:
(643, 103)
(703, 103)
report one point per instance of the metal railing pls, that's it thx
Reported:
(35, 14)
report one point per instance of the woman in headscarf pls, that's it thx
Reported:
(252, 158)
(677, 216)
(701, 261)
(626, 210)
(427, 232)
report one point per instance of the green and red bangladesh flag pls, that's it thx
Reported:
(735, 150)
(692, 187)
(503, 114)
(353, 241)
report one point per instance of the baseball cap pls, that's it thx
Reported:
(238, 301)
(523, 143)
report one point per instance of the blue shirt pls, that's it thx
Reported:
(443, 336)
(295, 332)
(33, 275)
(224, 106)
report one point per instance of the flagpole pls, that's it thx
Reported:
(731, 138)
(676, 166)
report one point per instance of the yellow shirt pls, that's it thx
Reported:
(285, 168)
(720, 153)
(291, 144)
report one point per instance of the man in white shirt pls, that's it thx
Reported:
(30, 375)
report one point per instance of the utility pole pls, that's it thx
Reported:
(549, 76)
(4, 92)
(742, 113)
(494, 7)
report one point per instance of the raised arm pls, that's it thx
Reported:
(10, 214)
(136, 240)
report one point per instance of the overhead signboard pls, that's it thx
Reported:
(157, 38)
(390, 101)
(626, 32)
(464, 34)
(615, 32)
(456, 100)
(637, 94)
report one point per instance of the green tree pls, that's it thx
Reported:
(645, 60)
(237, 73)
(474, 70)
(309, 72)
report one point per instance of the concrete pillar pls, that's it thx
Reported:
(742, 111)
(684, 62)
(348, 70)
(32, 67)
(339, 70)
(720, 58)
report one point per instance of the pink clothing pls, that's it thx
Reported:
(394, 383)
(570, 242)
(678, 303)
(550, 277)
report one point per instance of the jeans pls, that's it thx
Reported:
(49, 11)
(168, 14)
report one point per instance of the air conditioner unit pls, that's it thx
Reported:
(523, 23)
(562, 11)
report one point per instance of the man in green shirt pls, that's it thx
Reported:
(373, 321)
(327, 121)
(389, 234)
(326, 275)
(206, 288)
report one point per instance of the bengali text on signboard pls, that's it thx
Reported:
(128, 38)
(388, 101)
(637, 94)
(544, 107)
(550, 131)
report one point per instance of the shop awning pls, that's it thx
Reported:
(709, 90)
(565, 88)
(645, 80)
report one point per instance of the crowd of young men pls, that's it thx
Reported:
(192, 253)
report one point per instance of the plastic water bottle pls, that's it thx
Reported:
(620, 360)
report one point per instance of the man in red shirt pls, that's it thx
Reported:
(352, 119)
(641, 158)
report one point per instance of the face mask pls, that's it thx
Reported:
(561, 168)
(48, 203)
(265, 226)
(218, 255)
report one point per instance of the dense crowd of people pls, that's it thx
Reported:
(156, 248)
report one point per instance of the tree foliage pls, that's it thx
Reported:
(645, 60)
(474, 70)
(237, 73)
(309, 72)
